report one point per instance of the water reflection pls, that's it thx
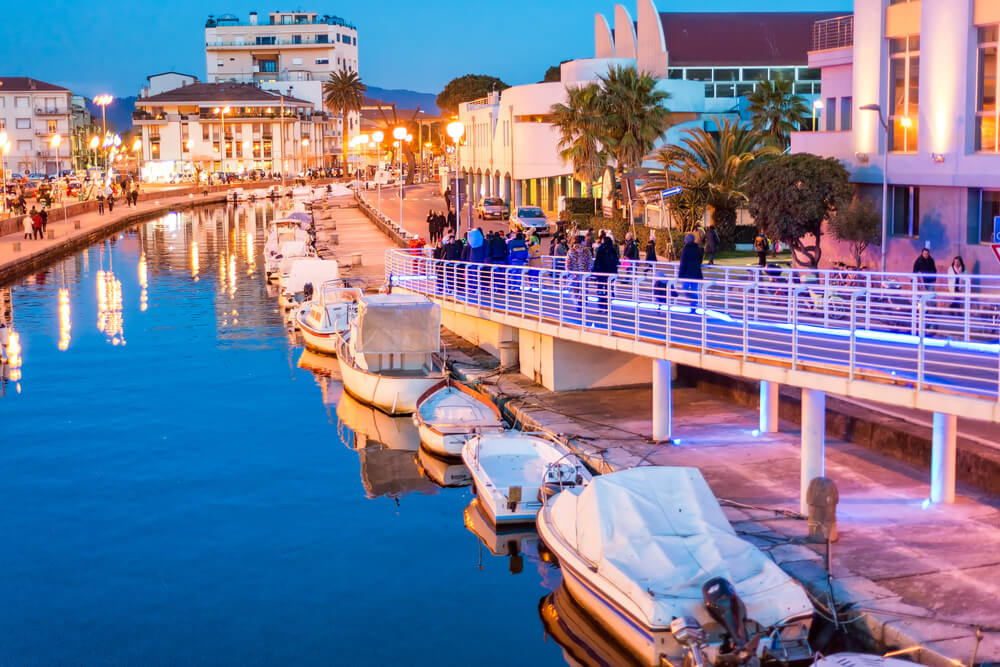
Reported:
(110, 318)
(65, 320)
(195, 264)
(515, 543)
(143, 283)
(446, 474)
(583, 642)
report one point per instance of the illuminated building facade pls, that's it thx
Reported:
(931, 66)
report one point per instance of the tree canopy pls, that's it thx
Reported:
(465, 89)
(790, 197)
(775, 111)
(344, 92)
(859, 225)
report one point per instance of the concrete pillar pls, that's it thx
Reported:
(518, 201)
(663, 404)
(943, 451)
(813, 441)
(768, 406)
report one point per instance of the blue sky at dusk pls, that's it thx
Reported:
(111, 46)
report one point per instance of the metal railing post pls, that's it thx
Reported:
(920, 343)
(794, 296)
(703, 300)
(854, 335)
(746, 319)
(868, 302)
(967, 316)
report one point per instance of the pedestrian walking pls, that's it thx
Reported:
(430, 225)
(111, 203)
(631, 251)
(711, 243)
(45, 220)
(562, 248)
(26, 225)
(690, 267)
(36, 224)
(924, 264)
(761, 246)
(100, 203)
(651, 248)
(958, 283)
(605, 266)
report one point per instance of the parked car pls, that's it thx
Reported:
(491, 208)
(73, 188)
(529, 219)
(35, 176)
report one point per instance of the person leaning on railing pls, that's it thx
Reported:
(924, 264)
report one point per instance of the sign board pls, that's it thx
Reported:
(670, 192)
(996, 229)
(996, 250)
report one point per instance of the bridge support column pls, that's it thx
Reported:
(943, 452)
(813, 441)
(768, 406)
(663, 402)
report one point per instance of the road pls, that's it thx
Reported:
(420, 199)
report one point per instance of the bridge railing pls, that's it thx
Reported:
(914, 338)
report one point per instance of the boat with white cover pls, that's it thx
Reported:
(390, 355)
(279, 234)
(312, 271)
(327, 314)
(449, 413)
(513, 471)
(642, 547)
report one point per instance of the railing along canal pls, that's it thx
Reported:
(854, 327)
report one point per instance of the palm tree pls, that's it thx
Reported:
(716, 165)
(775, 111)
(579, 125)
(633, 116)
(344, 92)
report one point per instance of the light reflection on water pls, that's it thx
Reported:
(177, 489)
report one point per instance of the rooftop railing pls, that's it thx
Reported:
(835, 33)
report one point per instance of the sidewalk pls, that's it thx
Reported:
(905, 573)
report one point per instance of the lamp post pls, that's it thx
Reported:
(455, 130)
(378, 136)
(817, 105)
(222, 111)
(884, 245)
(54, 143)
(94, 141)
(399, 134)
(4, 149)
(103, 101)
(137, 152)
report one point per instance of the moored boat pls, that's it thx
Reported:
(309, 271)
(390, 355)
(645, 547)
(514, 471)
(327, 314)
(449, 413)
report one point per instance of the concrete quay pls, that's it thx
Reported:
(905, 573)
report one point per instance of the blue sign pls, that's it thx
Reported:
(676, 190)
(996, 229)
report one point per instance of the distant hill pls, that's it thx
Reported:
(406, 99)
(119, 113)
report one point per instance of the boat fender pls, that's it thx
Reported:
(307, 292)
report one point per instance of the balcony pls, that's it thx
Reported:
(231, 21)
(835, 33)
(312, 43)
(49, 111)
(141, 115)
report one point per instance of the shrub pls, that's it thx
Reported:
(585, 205)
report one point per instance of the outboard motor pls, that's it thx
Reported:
(726, 607)
(307, 292)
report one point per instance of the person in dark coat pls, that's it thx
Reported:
(690, 266)
(451, 220)
(498, 249)
(605, 265)
(651, 248)
(925, 264)
(711, 243)
(631, 248)
(517, 250)
(430, 225)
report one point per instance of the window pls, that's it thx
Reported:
(904, 78)
(338, 37)
(23, 123)
(296, 61)
(3, 100)
(725, 90)
(24, 145)
(268, 65)
(830, 114)
(709, 90)
(355, 41)
(808, 74)
(989, 208)
(21, 103)
(986, 91)
(206, 132)
(905, 210)
(322, 39)
(322, 61)
(699, 75)
(846, 112)
(51, 127)
(286, 19)
(754, 73)
(675, 73)
(783, 73)
(219, 63)
(296, 39)
(802, 88)
(726, 74)
(265, 39)
(744, 89)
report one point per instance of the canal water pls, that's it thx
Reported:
(181, 484)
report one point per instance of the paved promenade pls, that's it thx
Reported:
(905, 573)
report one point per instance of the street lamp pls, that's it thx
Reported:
(884, 246)
(54, 143)
(399, 134)
(137, 152)
(455, 130)
(4, 149)
(817, 105)
(103, 101)
(305, 147)
(222, 143)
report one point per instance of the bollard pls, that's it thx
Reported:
(355, 259)
(51, 234)
(822, 497)
(76, 224)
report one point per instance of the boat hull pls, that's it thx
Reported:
(392, 395)
(317, 340)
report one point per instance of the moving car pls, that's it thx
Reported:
(491, 208)
(529, 219)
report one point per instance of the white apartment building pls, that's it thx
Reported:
(288, 51)
(31, 112)
(706, 62)
(932, 67)
(232, 127)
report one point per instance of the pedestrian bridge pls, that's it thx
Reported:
(886, 338)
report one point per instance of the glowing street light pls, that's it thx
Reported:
(817, 105)
(455, 130)
(222, 111)
(103, 101)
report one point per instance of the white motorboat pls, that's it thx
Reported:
(514, 471)
(444, 473)
(311, 271)
(285, 240)
(449, 413)
(327, 314)
(640, 548)
(390, 355)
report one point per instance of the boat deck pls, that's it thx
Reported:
(506, 470)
